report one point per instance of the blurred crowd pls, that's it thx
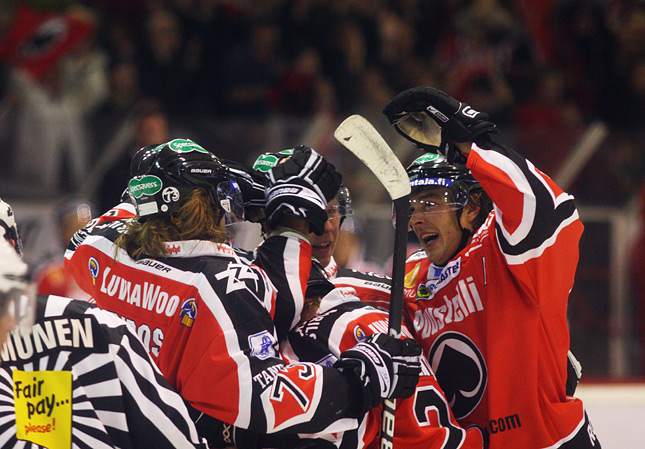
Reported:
(84, 84)
(542, 69)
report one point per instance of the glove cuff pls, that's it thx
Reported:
(364, 398)
(294, 188)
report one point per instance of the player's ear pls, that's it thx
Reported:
(470, 212)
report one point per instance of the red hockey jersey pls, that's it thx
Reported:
(492, 321)
(423, 420)
(372, 288)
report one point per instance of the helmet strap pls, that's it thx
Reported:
(212, 194)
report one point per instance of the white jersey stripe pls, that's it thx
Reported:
(522, 185)
(216, 307)
(147, 371)
(153, 413)
(537, 252)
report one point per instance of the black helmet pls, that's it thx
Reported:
(433, 170)
(164, 176)
(266, 161)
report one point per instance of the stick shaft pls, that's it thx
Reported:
(362, 139)
(401, 206)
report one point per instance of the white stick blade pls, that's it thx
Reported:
(361, 138)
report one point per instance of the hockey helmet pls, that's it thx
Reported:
(266, 161)
(8, 226)
(433, 171)
(14, 283)
(164, 176)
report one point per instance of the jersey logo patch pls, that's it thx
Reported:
(453, 353)
(95, 268)
(236, 275)
(261, 345)
(188, 312)
(359, 334)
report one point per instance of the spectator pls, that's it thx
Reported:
(250, 70)
(118, 108)
(149, 125)
(164, 71)
(50, 276)
(549, 116)
(50, 149)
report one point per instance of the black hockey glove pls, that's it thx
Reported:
(387, 367)
(253, 185)
(301, 186)
(434, 120)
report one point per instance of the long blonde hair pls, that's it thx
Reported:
(197, 219)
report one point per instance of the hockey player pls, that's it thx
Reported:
(77, 376)
(212, 322)
(334, 320)
(372, 288)
(488, 300)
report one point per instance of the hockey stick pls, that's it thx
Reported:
(360, 137)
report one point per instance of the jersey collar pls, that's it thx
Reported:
(332, 268)
(196, 248)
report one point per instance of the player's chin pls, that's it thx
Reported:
(321, 251)
(435, 252)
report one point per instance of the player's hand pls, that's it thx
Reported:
(387, 367)
(253, 185)
(300, 186)
(430, 118)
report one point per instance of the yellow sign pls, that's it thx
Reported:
(43, 401)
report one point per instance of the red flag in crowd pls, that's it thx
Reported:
(37, 40)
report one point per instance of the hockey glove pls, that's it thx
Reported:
(253, 185)
(433, 119)
(301, 186)
(387, 367)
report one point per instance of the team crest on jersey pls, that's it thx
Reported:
(261, 345)
(93, 266)
(454, 352)
(188, 312)
(359, 334)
